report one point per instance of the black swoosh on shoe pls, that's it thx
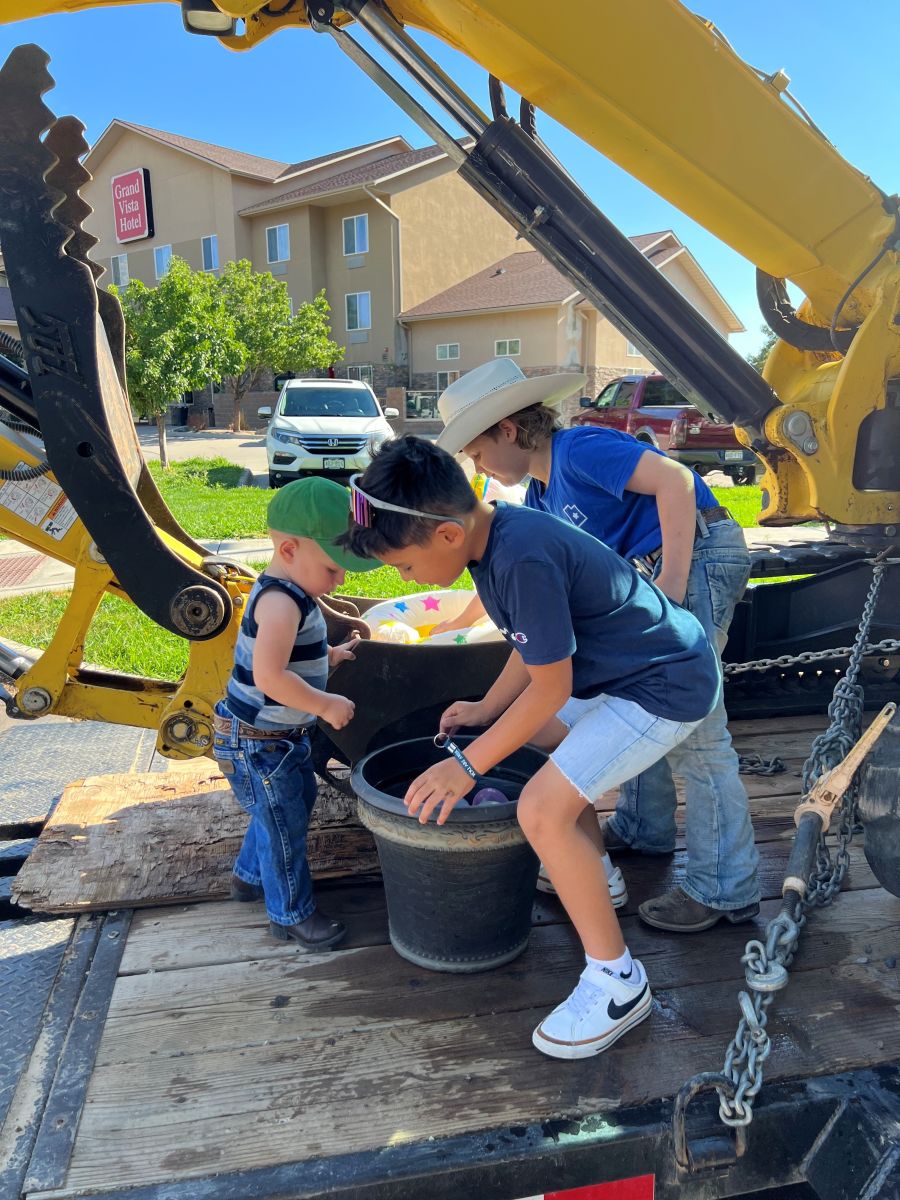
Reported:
(618, 1011)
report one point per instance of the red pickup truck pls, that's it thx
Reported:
(652, 410)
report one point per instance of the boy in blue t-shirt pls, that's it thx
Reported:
(604, 672)
(658, 514)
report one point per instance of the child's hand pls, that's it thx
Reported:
(674, 589)
(337, 711)
(464, 712)
(343, 653)
(444, 784)
(448, 626)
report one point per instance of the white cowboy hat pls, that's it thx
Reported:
(496, 389)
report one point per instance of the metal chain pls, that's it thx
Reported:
(766, 963)
(888, 646)
(755, 764)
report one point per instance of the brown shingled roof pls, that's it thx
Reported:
(369, 173)
(233, 160)
(521, 280)
(516, 281)
(267, 169)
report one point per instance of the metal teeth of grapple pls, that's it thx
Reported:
(25, 159)
(65, 139)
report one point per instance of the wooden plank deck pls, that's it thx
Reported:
(224, 1050)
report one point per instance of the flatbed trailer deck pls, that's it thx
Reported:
(186, 1055)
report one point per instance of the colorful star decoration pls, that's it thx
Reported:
(460, 639)
(401, 606)
(431, 603)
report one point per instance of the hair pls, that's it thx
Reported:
(411, 471)
(535, 426)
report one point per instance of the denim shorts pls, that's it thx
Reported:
(610, 740)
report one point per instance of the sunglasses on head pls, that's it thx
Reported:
(362, 506)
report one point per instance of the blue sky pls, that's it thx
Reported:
(296, 96)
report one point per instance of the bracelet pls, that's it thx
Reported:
(442, 741)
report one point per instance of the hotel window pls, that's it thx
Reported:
(118, 269)
(162, 260)
(356, 235)
(210, 248)
(445, 378)
(632, 351)
(359, 310)
(364, 374)
(508, 348)
(447, 350)
(278, 243)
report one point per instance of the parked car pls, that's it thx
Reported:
(323, 427)
(653, 411)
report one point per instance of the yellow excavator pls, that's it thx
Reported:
(727, 144)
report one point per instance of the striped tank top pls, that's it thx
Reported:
(309, 660)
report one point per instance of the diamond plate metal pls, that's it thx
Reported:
(30, 954)
(38, 760)
(13, 854)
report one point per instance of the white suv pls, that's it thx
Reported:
(323, 426)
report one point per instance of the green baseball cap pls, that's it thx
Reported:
(318, 509)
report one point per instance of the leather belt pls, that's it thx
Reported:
(710, 516)
(716, 513)
(223, 725)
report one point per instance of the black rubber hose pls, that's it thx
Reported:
(15, 391)
(498, 100)
(782, 319)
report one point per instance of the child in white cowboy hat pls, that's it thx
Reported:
(604, 671)
(663, 517)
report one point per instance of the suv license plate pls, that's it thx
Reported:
(734, 455)
(333, 464)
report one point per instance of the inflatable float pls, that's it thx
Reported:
(408, 620)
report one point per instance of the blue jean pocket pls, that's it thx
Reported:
(232, 763)
(276, 758)
(727, 582)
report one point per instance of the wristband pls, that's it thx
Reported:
(442, 741)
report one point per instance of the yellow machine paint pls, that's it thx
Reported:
(695, 123)
(702, 129)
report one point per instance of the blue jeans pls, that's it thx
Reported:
(721, 855)
(273, 780)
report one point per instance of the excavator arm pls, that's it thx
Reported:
(724, 142)
(731, 148)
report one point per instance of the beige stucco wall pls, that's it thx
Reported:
(297, 271)
(536, 329)
(678, 276)
(191, 199)
(445, 212)
(373, 272)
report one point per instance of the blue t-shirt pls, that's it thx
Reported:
(556, 593)
(588, 472)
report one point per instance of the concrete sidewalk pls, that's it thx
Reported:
(23, 570)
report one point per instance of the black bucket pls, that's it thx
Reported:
(459, 895)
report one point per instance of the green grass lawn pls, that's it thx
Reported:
(743, 503)
(204, 496)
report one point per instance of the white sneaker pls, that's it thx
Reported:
(618, 893)
(595, 1015)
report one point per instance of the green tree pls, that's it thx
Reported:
(758, 360)
(177, 337)
(265, 333)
